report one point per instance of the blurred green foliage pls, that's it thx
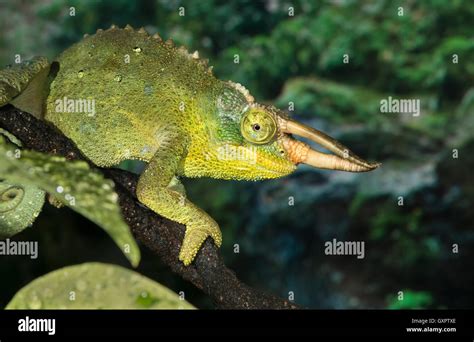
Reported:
(300, 59)
(409, 242)
(387, 52)
(411, 300)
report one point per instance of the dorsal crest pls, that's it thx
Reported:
(169, 43)
(250, 99)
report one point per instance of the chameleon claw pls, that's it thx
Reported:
(193, 240)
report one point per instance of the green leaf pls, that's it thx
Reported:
(20, 205)
(10, 137)
(75, 185)
(96, 286)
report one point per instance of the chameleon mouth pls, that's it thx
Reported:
(299, 152)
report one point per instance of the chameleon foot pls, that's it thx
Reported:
(195, 237)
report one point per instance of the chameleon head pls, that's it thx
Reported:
(270, 133)
(250, 141)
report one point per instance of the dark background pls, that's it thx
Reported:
(300, 59)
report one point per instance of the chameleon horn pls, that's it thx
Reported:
(333, 162)
(344, 159)
(299, 152)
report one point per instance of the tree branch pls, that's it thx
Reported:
(162, 236)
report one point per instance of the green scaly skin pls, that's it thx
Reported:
(160, 104)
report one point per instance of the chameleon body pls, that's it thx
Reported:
(160, 104)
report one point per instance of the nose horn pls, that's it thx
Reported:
(343, 159)
(333, 162)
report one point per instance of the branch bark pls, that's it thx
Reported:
(162, 236)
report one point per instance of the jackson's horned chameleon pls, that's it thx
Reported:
(158, 103)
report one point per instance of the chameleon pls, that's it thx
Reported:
(158, 103)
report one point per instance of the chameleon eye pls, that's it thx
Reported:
(258, 126)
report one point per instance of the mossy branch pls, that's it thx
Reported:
(162, 236)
